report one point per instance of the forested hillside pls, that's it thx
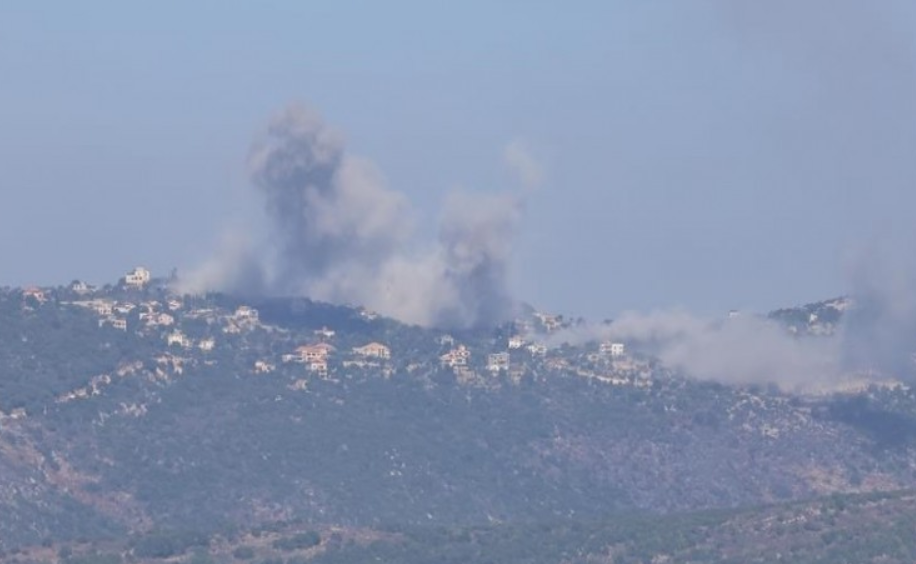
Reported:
(130, 412)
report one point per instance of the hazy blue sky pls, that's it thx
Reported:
(702, 154)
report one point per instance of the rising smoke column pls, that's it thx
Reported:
(476, 237)
(339, 234)
(742, 350)
(330, 213)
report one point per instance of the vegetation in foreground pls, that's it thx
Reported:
(838, 529)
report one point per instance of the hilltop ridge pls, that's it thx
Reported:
(128, 409)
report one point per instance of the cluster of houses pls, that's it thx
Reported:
(518, 342)
(315, 356)
(178, 338)
(244, 318)
(163, 318)
(457, 358)
(152, 314)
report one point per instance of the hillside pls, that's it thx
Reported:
(130, 410)
(833, 530)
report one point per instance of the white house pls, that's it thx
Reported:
(498, 361)
(516, 342)
(537, 349)
(102, 307)
(367, 314)
(614, 350)
(246, 314)
(162, 319)
(178, 338)
(325, 333)
(373, 350)
(313, 353)
(456, 357)
(549, 322)
(263, 367)
(320, 367)
(124, 308)
(119, 324)
(138, 277)
(35, 293)
(80, 287)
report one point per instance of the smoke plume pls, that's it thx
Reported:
(745, 349)
(525, 167)
(339, 234)
(331, 213)
(879, 332)
(476, 237)
(830, 98)
(874, 340)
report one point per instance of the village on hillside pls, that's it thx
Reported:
(191, 331)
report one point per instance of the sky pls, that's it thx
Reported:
(708, 155)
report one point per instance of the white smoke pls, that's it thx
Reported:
(833, 86)
(745, 349)
(339, 234)
(520, 161)
(235, 265)
(879, 332)
(875, 340)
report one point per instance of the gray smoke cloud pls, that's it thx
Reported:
(875, 339)
(879, 332)
(743, 350)
(476, 237)
(339, 234)
(826, 90)
(856, 61)
(833, 88)
(523, 165)
(331, 212)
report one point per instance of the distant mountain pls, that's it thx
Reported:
(131, 411)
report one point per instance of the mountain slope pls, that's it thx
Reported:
(836, 529)
(138, 410)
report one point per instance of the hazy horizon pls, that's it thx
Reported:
(713, 156)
